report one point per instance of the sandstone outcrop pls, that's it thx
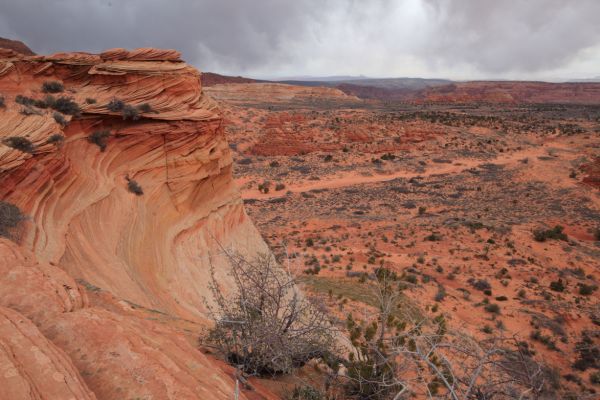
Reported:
(92, 251)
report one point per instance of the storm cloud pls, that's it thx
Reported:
(267, 38)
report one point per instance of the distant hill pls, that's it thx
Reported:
(376, 88)
(211, 79)
(16, 45)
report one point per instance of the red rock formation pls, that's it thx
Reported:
(513, 92)
(17, 46)
(484, 91)
(84, 225)
(31, 367)
(211, 79)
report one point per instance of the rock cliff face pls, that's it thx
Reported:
(93, 260)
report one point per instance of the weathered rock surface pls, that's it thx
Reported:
(88, 235)
(31, 367)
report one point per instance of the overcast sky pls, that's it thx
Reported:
(458, 39)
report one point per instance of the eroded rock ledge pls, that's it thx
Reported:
(88, 235)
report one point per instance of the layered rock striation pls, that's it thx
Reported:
(120, 163)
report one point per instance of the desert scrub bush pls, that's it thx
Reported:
(586, 290)
(492, 308)
(279, 186)
(588, 353)
(440, 294)
(546, 340)
(57, 138)
(479, 284)
(264, 325)
(134, 187)
(65, 105)
(541, 235)
(115, 105)
(52, 87)
(264, 187)
(434, 237)
(2, 105)
(597, 234)
(422, 210)
(305, 393)
(274, 164)
(10, 217)
(59, 118)
(595, 378)
(24, 100)
(19, 143)
(90, 100)
(100, 138)
(145, 108)
(558, 286)
(130, 112)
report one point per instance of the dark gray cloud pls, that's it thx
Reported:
(453, 38)
(499, 36)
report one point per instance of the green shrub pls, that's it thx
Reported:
(52, 87)
(10, 217)
(541, 235)
(100, 138)
(19, 143)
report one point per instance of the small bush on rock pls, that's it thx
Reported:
(10, 217)
(100, 138)
(52, 87)
(541, 235)
(134, 187)
(263, 324)
(115, 105)
(59, 118)
(19, 143)
(57, 138)
(65, 105)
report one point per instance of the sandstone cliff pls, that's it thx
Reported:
(101, 280)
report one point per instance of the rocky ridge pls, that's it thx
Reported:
(103, 274)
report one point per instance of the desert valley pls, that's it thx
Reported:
(446, 234)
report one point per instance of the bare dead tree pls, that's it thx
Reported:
(263, 324)
(397, 356)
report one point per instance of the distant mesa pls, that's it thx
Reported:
(211, 79)
(16, 45)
